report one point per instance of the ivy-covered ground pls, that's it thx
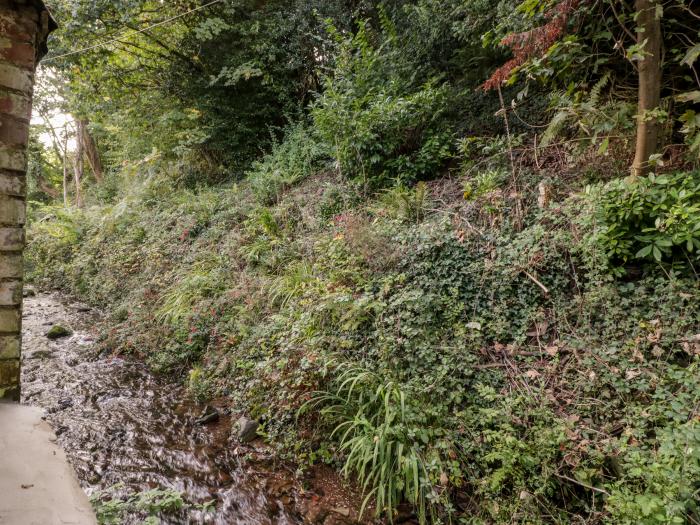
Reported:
(455, 344)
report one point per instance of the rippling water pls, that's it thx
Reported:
(120, 424)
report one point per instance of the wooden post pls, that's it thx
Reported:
(24, 26)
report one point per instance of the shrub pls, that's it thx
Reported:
(299, 155)
(384, 440)
(654, 218)
(379, 128)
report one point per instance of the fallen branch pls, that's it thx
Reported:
(538, 283)
(584, 485)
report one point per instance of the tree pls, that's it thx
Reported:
(91, 152)
(78, 167)
(578, 49)
(649, 93)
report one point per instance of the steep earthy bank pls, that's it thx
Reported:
(471, 365)
(446, 248)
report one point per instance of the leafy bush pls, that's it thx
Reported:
(502, 364)
(381, 129)
(407, 204)
(296, 157)
(655, 218)
(206, 279)
(660, 485)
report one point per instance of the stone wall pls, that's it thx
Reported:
(24, 25)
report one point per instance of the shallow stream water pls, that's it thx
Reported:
(120, 425)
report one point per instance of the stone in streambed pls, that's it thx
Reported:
(57, 331)
(40, 354)
(247, 429)
(210, 415)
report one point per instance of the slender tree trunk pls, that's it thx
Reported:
(65, 168)
(91, 152)
(78, 165)
(649, 30)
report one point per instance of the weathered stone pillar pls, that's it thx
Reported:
(24, 26)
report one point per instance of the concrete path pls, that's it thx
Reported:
(37, 485)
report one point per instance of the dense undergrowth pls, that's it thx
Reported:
(402, 235)
(451, 344)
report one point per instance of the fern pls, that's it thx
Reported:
(597, 89)
(555, 126)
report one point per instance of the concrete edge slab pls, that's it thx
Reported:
(37, 484)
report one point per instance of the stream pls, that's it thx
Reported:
(122, 426)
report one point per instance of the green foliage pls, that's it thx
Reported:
(379, 125)
(660, 485)
(590, 115)
(298, 156)
(111, 509)
(654, 218)
(383, 442)
(484, 183)
(205, 279)
(467, 352)
(406, 204)
(411, 333)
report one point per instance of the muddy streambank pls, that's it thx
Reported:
(123, 427)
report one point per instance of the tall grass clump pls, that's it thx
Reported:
(380, 437)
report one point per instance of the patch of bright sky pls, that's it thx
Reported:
(56, 117)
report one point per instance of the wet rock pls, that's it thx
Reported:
(247, 429)
(65, 403)
(209, 415)
(57, 331)
(62, 404)
(40, 354)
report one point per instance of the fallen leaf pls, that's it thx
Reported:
(552, 350)
(631, 374)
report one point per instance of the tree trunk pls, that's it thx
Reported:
(91, 152)
(78, 171)
(649, 68)
(65, 167)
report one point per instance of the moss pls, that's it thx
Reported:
(57, 331)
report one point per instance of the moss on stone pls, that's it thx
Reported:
(57, 331)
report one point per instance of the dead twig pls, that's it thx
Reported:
(584, 485)
(538, 283)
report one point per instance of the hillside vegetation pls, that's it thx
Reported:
(405, 236)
